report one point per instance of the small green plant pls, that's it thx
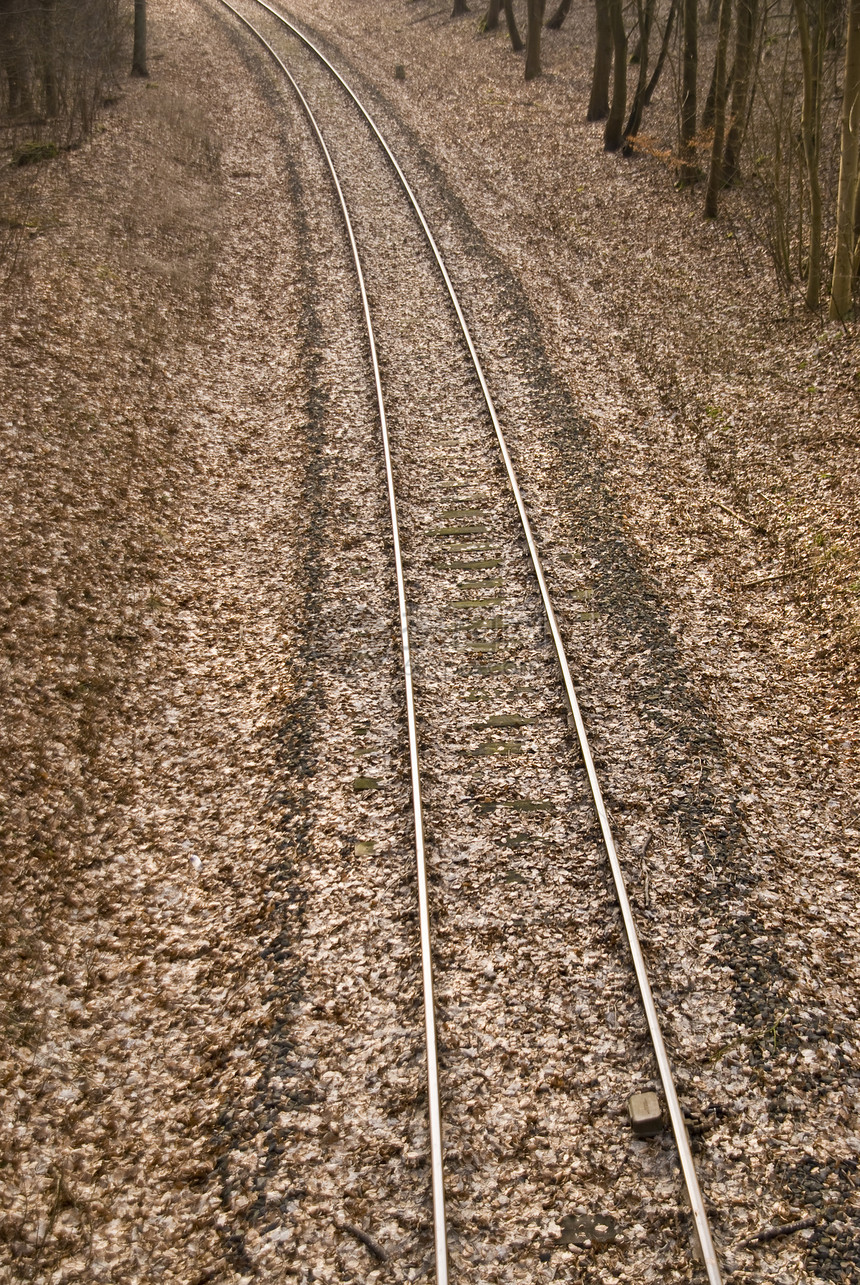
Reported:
(30, 153)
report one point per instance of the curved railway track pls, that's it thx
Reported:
(478, 633)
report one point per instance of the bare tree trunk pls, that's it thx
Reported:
(50, 85)
(513, 31)
(138, 58)
(664, 49)
(812, 56)
(849, 160)
(715, 175)
(646, 18)
(615, 120)
(713, 10)
(747, 22)
(559, 16)
(856, 268)
(598, 103)
(535, 10)
(490, 20)
(460, 7)
(707, 118)
(689, 78)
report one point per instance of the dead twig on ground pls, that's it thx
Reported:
(754, 526)
(368, 1241)
(773, 1233)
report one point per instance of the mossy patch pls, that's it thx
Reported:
(33, 151)
(366, 783)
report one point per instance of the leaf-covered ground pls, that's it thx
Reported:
(167, 459)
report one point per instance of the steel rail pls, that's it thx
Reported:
(440, 1231)
(676, 1115)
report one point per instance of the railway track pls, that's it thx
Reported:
(511, 874)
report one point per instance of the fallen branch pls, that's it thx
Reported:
(754, 526)
(772, 1233)
(368, 1241)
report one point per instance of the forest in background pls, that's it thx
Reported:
(58, 61)
(762, 94)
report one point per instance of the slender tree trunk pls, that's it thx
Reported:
(707, 118)
(513, 31)
(559, 16)
(615, 121)
(598, 103)
(138, 58)
(856, 268)
(715, 175)
(490, 20)
(646, 19)
(847, 198)
(747, 22)
(460, 7)
(811, 56)
(20, 93)
(664, 49)
(713, 10)
(50, 85)
(689, 79)
(535, 11)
